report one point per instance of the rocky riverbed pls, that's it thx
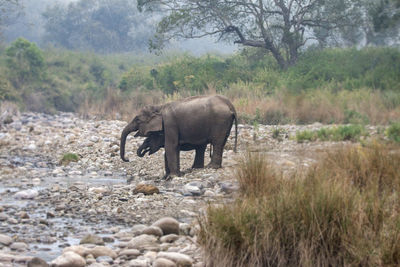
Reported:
(101, 211)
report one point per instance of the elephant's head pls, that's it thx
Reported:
(151, 144)
(147, 121)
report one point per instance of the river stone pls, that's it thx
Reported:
(129, 253)
(191, 190)
(146, 189)
(80, 250)
(228, 188)
(26, 194)
(98, 190)
(5, 240)
(37, 262)
(69, 259)
(162, 262)
(99, 251)
(169, 238)
(19, 246)
(184, 228)
(106, 259)
(168, 225)
(138, 263)
(3, 217)
(150, 255)
(178, 258)
(143, 241)
(153, 230)
(23, 215)
(92, 239)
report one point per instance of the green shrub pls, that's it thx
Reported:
(340, 133)
(393, 132)
(348, 133)
(69, 157)
(306, 135)
(25, 62)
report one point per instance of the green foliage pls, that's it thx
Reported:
(340, 133)
(68, 158)
(305, 135)
(25, 62)
(377, 68)
(393, 132)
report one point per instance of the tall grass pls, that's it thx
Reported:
(344, 211)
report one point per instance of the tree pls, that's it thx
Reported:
(9, 12)
(99, 25)
(25, 62)
(281, 27)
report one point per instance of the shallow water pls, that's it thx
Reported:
(48, 241)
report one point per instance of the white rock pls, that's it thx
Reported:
(19, 246)
(178, 258)
(5, 240)
(162, 262)
(79, 249)
(31, 146)
(143, 241)
(98, 190)
(69, 259)
(138, 263)
(94, 139)
(26, 194)
(36, 181)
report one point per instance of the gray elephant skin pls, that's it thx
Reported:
(187, 124)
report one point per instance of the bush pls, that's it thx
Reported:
(68, 158)
(25, 62)
(393, 132)
(342, 212)
(306, 135)
(340, 133)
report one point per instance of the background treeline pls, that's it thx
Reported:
(329, 85)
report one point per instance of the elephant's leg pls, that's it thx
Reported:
(199, 157)
(218, 150)
(172, 157)
(167, 172)
(216, 157)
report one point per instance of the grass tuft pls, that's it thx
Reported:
(393, 132)
(68, 158)
(341, 133)
(344, 211)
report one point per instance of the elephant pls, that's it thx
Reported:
(155, 142)
(190, 123)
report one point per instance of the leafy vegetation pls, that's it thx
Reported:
(277, 27)
(393, 132)
(328, 86)
(340, 133)
(68, 158)
(343, 211)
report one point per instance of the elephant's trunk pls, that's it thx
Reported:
(143, 149)
(127, 130)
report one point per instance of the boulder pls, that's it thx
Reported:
(168, 225)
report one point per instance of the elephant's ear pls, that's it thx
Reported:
(153, 125)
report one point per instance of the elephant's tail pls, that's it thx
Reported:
(236, 132)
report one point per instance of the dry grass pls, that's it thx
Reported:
(254, 104)
(344, 211)
(117, 105)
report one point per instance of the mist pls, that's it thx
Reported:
(30, 24)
